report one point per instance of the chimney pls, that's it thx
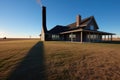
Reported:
(44, 27)
(78, 20)
(44, 19)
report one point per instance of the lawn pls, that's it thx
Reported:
(35, 60)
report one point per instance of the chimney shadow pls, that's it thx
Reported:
(32, 67)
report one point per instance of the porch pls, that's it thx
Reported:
(86, 36)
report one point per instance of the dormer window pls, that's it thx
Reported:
(91, 27)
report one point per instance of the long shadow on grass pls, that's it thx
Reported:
(32, 67)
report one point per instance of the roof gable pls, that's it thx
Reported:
(85, 22)
(93, 22)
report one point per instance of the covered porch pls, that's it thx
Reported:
(86, 36)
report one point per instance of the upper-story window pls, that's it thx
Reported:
(91, 27)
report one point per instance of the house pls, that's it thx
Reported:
(83, 30)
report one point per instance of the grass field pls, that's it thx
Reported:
(35, 60)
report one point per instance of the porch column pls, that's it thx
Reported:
(105, 38)
(89, 36)
(108, 38)
(71, 37)
(93, 37)
(111, 37)
(97, 37)
(81, 39)
(100, 37)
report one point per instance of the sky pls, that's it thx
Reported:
(22, 18)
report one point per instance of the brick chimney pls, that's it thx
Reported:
(78, 20)
(44, 27)
(44, 18)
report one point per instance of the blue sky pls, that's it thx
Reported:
(22, 18)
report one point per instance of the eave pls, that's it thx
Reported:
(88, 31)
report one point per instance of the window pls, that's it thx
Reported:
(72, 36)
(55, 37)
(91, 27)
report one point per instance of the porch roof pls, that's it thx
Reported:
(88, 31)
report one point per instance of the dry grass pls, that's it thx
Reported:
(59, 61)
(89, 61)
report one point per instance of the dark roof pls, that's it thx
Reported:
(58, 29)
(85, 22)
